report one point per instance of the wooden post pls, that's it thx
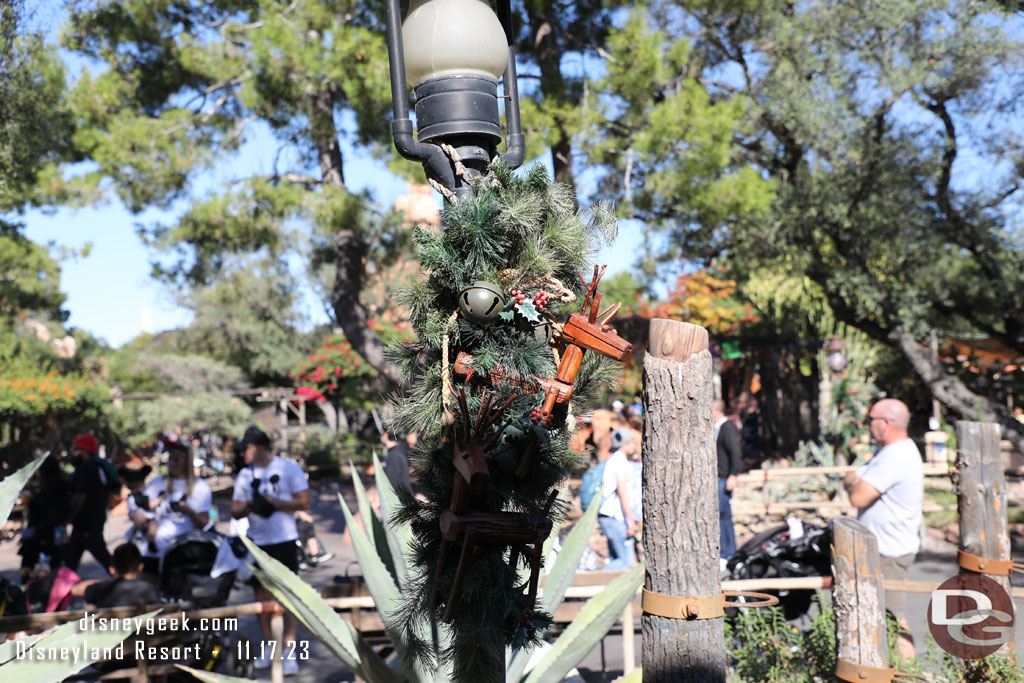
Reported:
(680, 492)
(283, 407)
(981, 494)
(858, 595)
(628, 651)
(277, 632)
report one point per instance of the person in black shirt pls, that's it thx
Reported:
(730, 463)
(396, 460)
(126, 588)
(47, 510)
(88, 510)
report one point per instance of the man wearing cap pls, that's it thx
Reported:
(88, 507)
(269, 491)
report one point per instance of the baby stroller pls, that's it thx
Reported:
(191, 576)
(187, 571)
(774, 552)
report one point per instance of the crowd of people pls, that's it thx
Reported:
(269, 504)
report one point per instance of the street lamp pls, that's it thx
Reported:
(453, 53)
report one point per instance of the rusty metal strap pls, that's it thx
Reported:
(711, 607)
(987, 565)
(858, 673)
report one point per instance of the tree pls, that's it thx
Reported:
(868, 120)
(184, 83)
(248, 319)
(188, 393)
(34, 130)
(664, 146)
(552, 36)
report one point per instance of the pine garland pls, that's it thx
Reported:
(514, 232)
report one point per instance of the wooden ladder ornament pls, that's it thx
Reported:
(460, 524)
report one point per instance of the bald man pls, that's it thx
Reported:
(889, 494)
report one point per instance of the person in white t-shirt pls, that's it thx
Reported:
(170, 505)
(269, 491)
(889, 494)
(615, 516)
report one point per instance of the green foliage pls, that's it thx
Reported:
(849, 397)
(31, 281)
(866, 130)
(174, 91)
(35, 123)
(766, 649)
(38, 387)
(336, 373)
(691, 185)
(305, 603)
(247, 319)
(197, 396)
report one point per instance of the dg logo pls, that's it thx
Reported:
(970, 616)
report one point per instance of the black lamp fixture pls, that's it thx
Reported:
(453, 53)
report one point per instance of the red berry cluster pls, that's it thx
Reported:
(519, 295)
(540, 300)
(536, 416)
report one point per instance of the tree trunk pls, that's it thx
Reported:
(349, 312)
(981, 494)
(858, 595)
(350, 264)
(788, 403)
(953, 393)
(549, 53)
(680, 493)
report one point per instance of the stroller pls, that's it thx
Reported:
(189, 573)
(774, 552)
(191, 577)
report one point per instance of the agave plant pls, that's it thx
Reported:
(17, 661)
(383, 553)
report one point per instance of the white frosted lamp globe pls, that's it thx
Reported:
(453, 37)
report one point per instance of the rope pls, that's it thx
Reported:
(445, 192)
(447, 389)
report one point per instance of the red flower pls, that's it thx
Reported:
(310, 393)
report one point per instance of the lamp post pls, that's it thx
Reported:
(453, 53)
(836, 360)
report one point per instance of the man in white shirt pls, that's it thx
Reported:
(269, 491)
(615, 516)
(889, 494)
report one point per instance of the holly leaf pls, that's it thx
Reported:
(507, 316)
(529, 311)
